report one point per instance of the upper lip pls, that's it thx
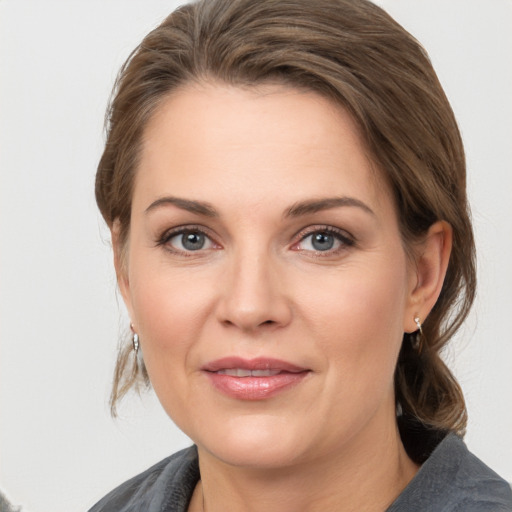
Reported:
(260, 363)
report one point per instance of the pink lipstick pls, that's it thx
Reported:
(253, 379)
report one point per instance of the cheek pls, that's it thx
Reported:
(358, 318)
(169, 308)
(168, 302)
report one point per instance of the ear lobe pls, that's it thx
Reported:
(120, 264)
(431, 264)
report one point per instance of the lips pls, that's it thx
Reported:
(253, 379)
(241, 372)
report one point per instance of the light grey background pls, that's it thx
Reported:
(60, 314)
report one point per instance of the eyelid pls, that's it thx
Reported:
(168, 234)
(347, 239)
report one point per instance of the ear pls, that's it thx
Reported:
(121, 265)
(432, 256)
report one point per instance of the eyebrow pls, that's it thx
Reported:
(198, 207)
(296, 210)
(317, 205)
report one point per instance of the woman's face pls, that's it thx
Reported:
(265, 275)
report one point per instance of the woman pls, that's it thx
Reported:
(285, 187)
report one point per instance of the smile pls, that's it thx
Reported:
(242, 372)
(255, 379)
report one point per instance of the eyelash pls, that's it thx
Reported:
(183, 230)
(346, 240)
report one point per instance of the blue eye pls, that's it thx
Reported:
(192, 241)
(324, 240)
(188, 241)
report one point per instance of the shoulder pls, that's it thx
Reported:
(452, 479)
(6, 505)
(167, 485)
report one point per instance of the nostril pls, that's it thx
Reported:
(230, 323)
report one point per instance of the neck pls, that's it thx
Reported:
(365, 477)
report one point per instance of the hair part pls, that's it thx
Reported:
(357, 56)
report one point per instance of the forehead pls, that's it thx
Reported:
(273, 141)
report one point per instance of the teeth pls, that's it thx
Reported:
(241, 372)
(264, 373)
(236, 372)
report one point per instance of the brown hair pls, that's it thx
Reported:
(355, 54)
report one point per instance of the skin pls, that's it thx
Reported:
(260, 287)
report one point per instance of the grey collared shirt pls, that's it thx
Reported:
(452, 479)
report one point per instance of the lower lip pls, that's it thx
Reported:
(255, 388)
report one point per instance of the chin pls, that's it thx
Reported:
(259, 443)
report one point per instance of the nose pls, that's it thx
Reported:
(254, 294)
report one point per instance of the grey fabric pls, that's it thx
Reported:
(6, 505)
(451, 480)
(165, 487)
